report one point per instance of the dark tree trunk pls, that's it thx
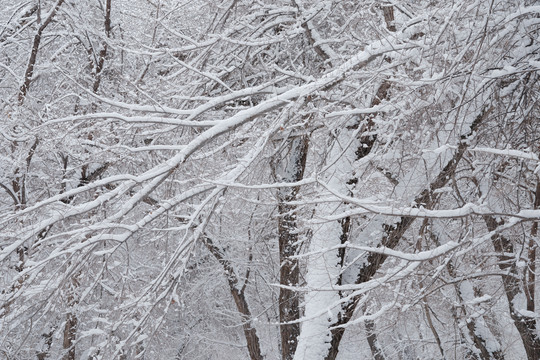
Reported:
(289, 168)
(70, 328)
(250, 333)
(525, 325)
(33, 54)
(373, 340)
(394, 233)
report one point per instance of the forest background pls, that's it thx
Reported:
(269, 179)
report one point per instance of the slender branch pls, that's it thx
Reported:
(11, 194)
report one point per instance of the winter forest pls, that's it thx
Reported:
(269, 179)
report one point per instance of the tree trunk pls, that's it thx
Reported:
(289, 168)
(33, 54)
(70, 328)
(392, 234)
(525, 325)
(373, 340)
(478, 330)
(250, 333)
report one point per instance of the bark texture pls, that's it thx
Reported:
(289, 169)
(33, 54)
(239, 297)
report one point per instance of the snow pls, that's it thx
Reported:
(323, 269)
(309, 68)
(369, 110)
(419, 256)
(508, 152)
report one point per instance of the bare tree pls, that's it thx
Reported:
(310, 179)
